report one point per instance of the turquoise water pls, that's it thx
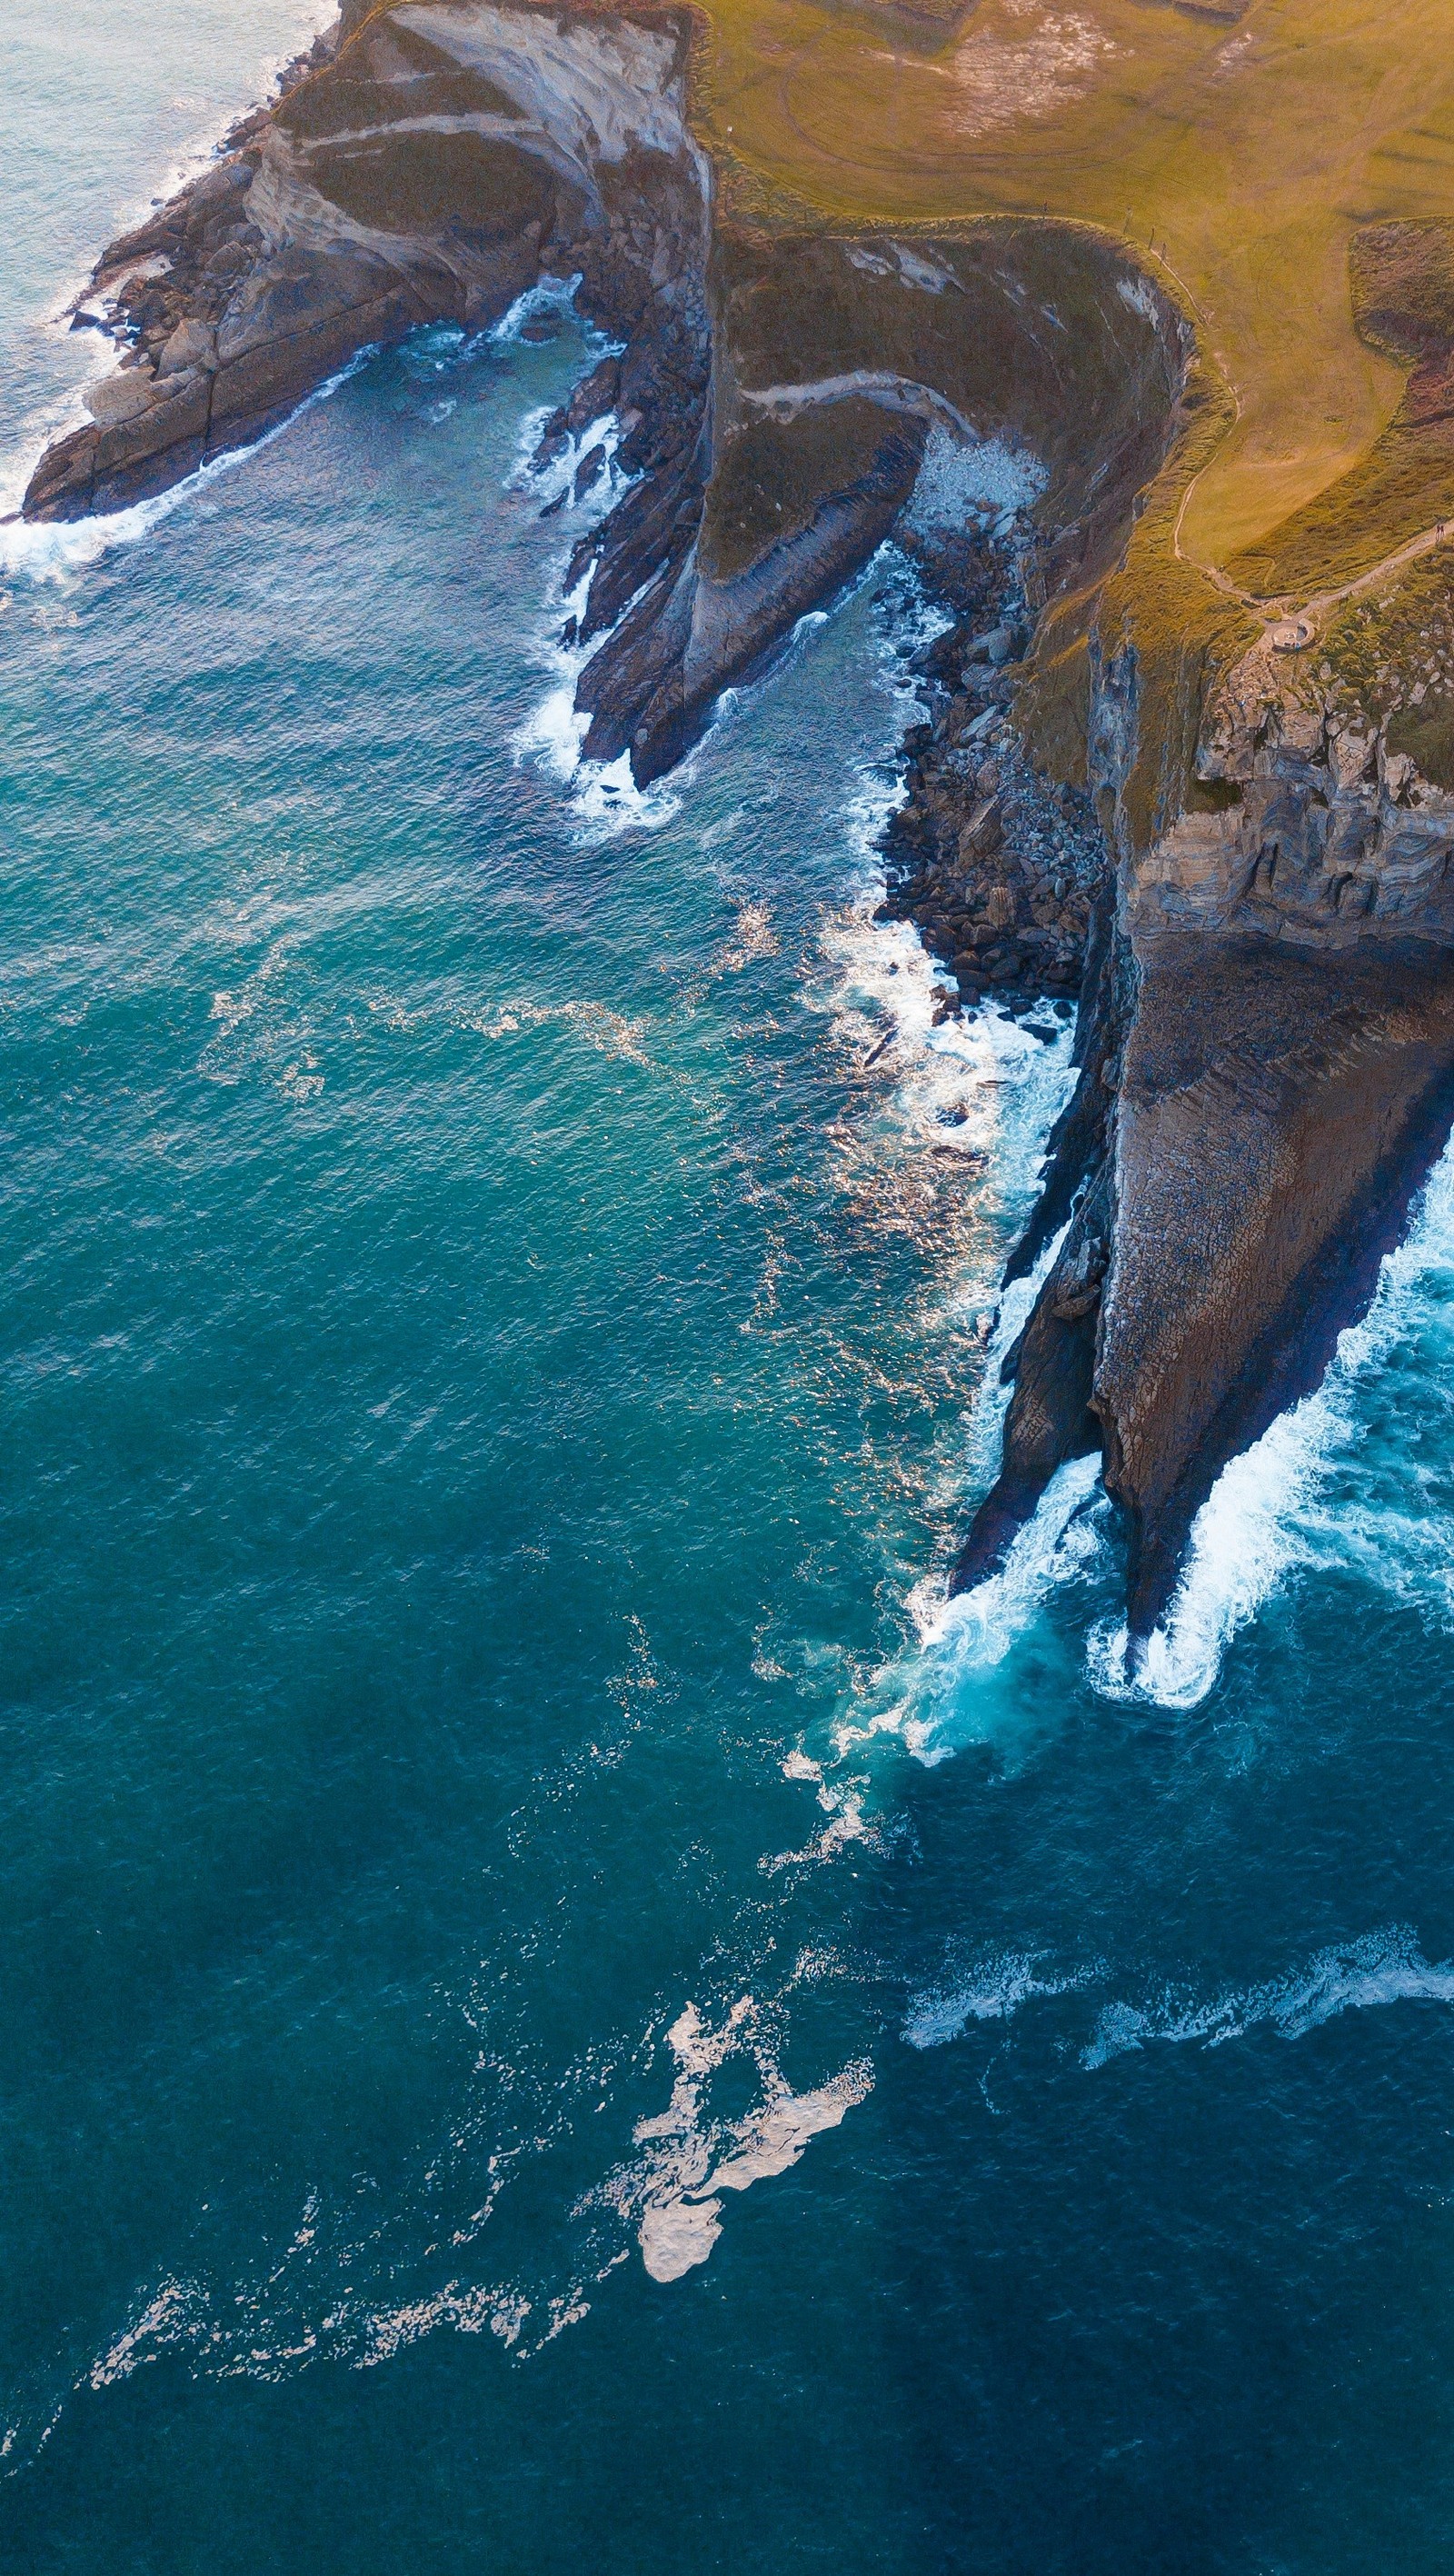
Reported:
(554, 2010)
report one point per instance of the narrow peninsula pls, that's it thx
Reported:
(1189, 757)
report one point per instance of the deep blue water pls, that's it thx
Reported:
(554, 2010)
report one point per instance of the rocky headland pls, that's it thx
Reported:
(1227, 833)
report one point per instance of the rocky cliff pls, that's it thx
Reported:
(427, 166)
(1230, 833)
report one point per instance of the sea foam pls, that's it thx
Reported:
(1269, 1514)
(672, 2190)
(1386, 1967)
(989, 1990)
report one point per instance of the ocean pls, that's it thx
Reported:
(558, 2007)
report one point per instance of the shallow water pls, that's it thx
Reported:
(556, 2004)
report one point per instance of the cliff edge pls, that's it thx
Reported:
(1227, 811)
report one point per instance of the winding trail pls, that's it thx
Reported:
(1308, 615)
(1301, 620)
(898, 393)
(1285, 610)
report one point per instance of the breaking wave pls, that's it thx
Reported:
(1385, 1967)
(1282, 1508)
(56, 549)
(992, 1989)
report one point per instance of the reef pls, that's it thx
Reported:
(1225, 831)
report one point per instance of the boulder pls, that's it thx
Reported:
(121, 397)
(192, 344)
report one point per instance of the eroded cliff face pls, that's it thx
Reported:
(1269, 1076)
(435, 160)
(834, 361)
(1269, 1137)
(429, 167)
(1264, 916)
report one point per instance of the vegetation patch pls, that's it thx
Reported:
(1401, 283)
(1389, 661)
(1427, 734)
(775, 475)
(409, 183)
(1401, 278)
(1405, 485)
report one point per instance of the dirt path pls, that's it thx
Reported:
(1307, 616)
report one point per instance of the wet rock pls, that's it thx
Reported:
(594, 396)
(589, 471)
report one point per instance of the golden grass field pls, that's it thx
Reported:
(1244, 152)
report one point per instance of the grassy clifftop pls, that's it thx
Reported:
(1243, 150)
(1283, 170)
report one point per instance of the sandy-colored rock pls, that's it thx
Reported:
(192, 344)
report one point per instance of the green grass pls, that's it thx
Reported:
(1381, 651)
(1252, 155)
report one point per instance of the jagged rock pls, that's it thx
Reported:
(1266, 1039)
(192, 344)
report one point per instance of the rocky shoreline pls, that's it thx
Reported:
(997, 869)
(1232, 856)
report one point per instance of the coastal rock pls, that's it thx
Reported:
(1268, 1078)
(192, 344)
(652, 687)
(415, 172)
(1242, 866)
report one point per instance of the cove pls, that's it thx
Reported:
(497, 1361)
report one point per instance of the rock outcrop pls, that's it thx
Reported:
(1237, 856)
(1268, 1078)
(427, 165)
(998, 869)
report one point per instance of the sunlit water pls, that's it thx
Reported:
(558, 2007)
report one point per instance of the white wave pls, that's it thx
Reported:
(469, 2309)
(982, 1085)
(931, 1696)
(57, 549)
(1385, 1967)
(548, 295)
(604, 797)
(1245, 1540)
(991, 1990)
(985, 1091)
(980, 1088)
(1267, 1515)
(965, 1638)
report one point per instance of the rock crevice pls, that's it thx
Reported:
(1252, 898)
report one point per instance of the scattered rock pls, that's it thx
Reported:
(997, 868)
